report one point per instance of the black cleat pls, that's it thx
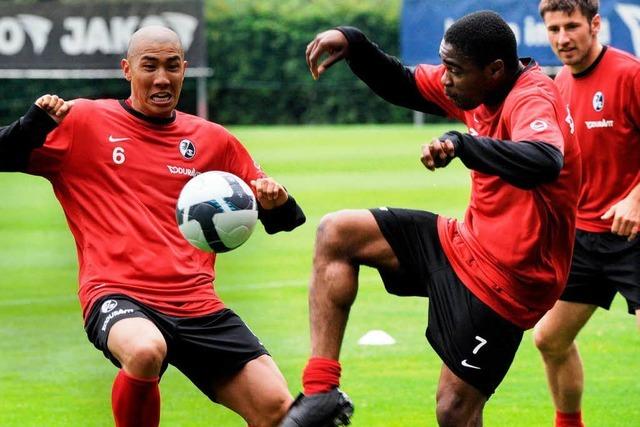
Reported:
(330, 409)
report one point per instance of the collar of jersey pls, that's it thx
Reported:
(592, 66)
(153, 120)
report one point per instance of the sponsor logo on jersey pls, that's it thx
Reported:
(598, 101)
(187, 149)
(599, 124)
(179, 170)
(116, 313)
(118, 139)
(538, 125)
(108, 305)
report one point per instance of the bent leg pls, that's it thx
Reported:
(140, 348)
(554, 336)
(344, 241)
(258, 393)
(458, 404)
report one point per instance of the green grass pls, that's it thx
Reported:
(50, 375)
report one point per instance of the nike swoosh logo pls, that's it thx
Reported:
(467, 365)
(114, 139)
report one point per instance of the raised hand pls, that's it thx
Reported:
(331, 42)
(56, 107)
(269, 193)
(437, 154)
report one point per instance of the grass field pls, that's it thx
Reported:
(50, 375)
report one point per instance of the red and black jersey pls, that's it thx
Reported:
(513, 249)
(117, 176)
(605, 104)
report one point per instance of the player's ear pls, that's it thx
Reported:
(495, 69)
(596, 21)
(185, 64)
(126, 69)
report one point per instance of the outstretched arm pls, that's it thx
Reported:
(277, 209)
(383, 73)
(18, 139)
(524, 164)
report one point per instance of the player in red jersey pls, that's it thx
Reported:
(489, 277)
(117, 168)
(601, 86)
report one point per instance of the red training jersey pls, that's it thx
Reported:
(513, 249)
(605, 104)
(117, 176)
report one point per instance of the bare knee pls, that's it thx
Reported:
(144, 358)
(332, 235)
(549, 344)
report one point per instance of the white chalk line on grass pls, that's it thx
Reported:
(223, 287)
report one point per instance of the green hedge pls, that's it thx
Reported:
(260, 73)
(256, 49)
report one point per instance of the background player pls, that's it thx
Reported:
(601, 85)
(146, 294)
(488, 278)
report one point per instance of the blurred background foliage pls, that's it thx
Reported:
(256, 50)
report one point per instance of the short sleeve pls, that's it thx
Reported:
(239, 162)
(634, 100)
(47, 160)
(534, 118)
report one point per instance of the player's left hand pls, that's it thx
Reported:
(56, 107)
(437, 154)
(626, 217)
(269, 193)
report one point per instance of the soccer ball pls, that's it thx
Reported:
(216, 211)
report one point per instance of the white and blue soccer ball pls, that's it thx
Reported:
(216, 211)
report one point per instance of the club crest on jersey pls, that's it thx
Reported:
(108, 305)
(598, 101)
(187, 149)
(538, 125)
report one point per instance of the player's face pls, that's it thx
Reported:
(156, 73)
(573, 38)
(465, 83)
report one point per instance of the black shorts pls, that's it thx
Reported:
(603, 264)
(205, 349)
(471, 339)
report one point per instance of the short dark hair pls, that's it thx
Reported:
(588, 8)
(484, 37)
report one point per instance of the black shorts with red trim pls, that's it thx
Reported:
(473, 341)
(206, 349)
(604, 264)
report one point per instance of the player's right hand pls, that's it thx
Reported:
(331, 42)
(438, 153)
(56, 107)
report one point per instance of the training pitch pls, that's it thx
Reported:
(50, 375)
